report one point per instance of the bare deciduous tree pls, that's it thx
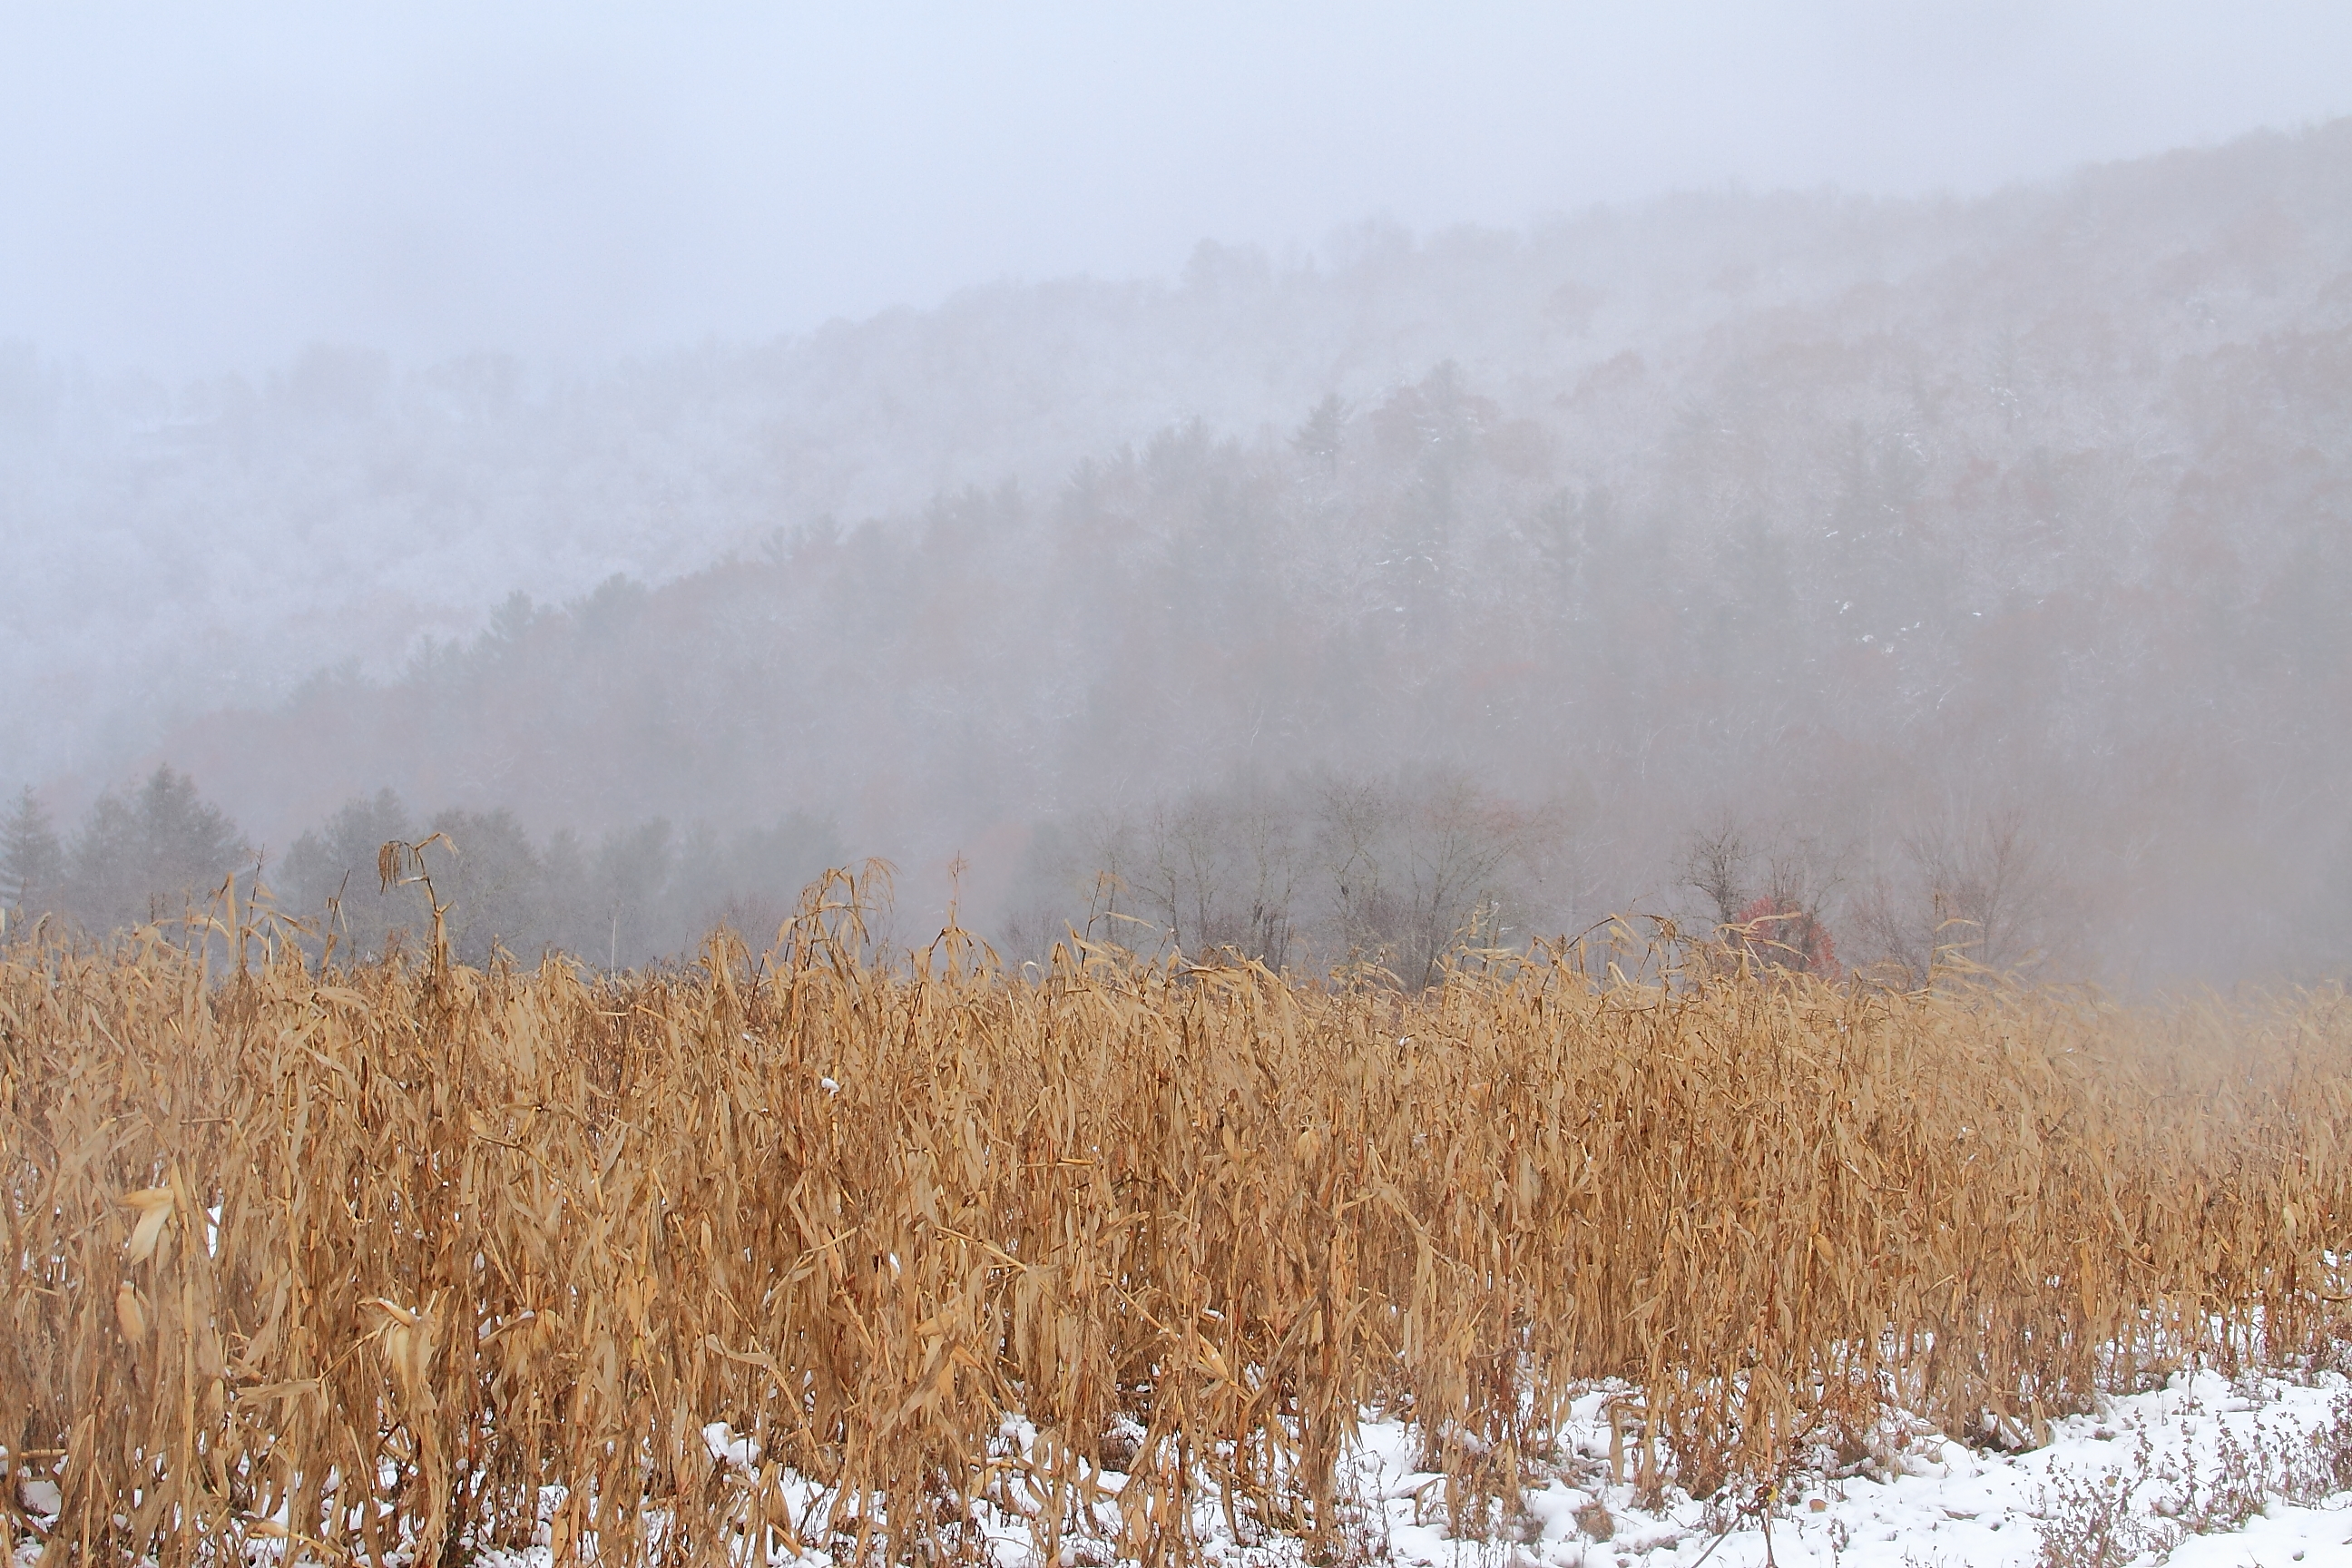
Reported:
(1968, 893)
(1423, 865)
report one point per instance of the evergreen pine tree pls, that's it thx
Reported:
(32, 861)
(163, 848)
(337, 862)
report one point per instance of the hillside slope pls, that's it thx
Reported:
(1860, 523)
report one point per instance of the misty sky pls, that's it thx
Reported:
(201, 188)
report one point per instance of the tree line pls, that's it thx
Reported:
(1315, 871)
(1408, 870)
(160, 850)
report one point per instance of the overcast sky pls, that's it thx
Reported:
(193, 188)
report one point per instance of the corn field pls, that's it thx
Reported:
(409, 1261)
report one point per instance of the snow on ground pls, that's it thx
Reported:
(2207, 1473)
(2195, 1470)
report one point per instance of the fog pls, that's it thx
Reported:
(1322, 484)
(189, 194)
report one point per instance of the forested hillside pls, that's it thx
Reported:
(1890, 560)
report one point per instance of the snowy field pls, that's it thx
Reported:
(2203, 1474)
(2208, 1473)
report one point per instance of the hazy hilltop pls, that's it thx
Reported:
(1866, 537)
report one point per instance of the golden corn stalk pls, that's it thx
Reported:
(766, 1253)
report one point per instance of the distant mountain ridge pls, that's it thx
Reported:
(1825, 508)
(176, 548)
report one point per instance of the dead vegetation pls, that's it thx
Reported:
(415, 1258)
